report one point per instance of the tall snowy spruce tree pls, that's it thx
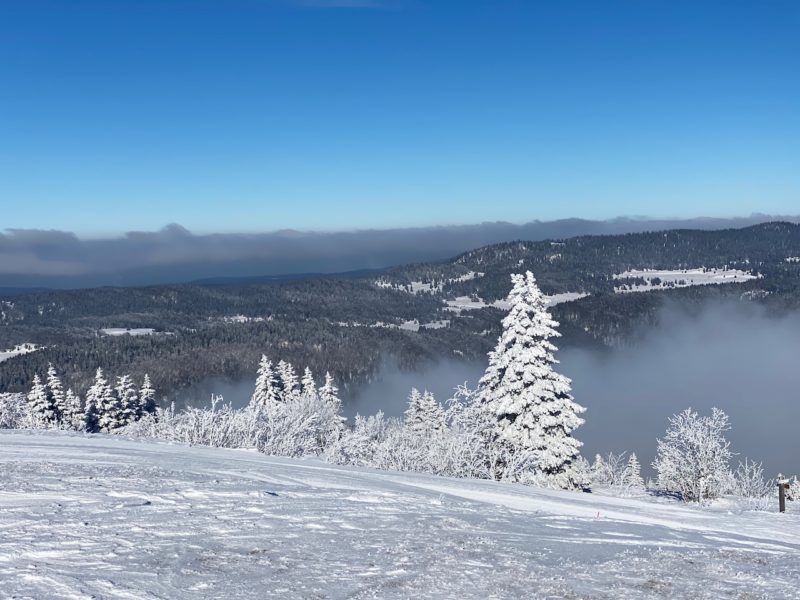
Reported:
(266, 392)
(72, 417)
(129, 408)
(147, 396)
(287, 379)
(102, 406)
(41, 405)
(55, 390)
(308, 385)
(532, 404)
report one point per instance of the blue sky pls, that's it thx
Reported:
(255, 115)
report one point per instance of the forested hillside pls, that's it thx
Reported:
(411, 315)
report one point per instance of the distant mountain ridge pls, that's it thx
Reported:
(53, 259)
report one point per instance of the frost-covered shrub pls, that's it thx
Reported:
(14, 413)
(609, 471)
(749, 485)
(693, 456)
(748, 481)
(357, 446)
(302, 425)
(220, 426)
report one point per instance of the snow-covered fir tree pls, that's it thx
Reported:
(599, 471)
(266, 392)
(147, 396)
(288, 381)
(101, 400)
(329, 394)
(55, 390)
(40, 405)
(531, 402)
(632, 476)
(129, 408)
(72, 417)
(308, 385)
(424, 415)
(91, 415)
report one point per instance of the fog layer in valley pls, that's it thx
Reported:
(731, 356)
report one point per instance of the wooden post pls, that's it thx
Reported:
(782, 495)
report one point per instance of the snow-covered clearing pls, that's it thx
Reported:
(412, 325)
(17, 351)
(124, 331)
(242, 319)
(418, 287)
(467, 303)
(105, 517)
(681, 278)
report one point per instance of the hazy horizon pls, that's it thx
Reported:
(58, 259)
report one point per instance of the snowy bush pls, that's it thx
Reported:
(220, 426)
(693, 456)
(748, 484)
(620, 473)
(302, 425)
(14, 412)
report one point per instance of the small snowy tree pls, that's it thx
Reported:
(600, 472)
(693, 456)
(424, 415)
(55, 391)
(41, 406)
(632, 476)
(73, 415)
(532, 404)
(288, 381)
(147, 396)
(266, 392)
(129, 408)
(102, 406)
(308, 384)
(91, 414)
(329, 395)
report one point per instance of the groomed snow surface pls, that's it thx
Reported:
(104, 517)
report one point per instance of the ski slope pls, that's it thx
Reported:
(104, 517)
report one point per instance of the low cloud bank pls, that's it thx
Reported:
(37, 258)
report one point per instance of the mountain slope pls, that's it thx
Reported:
(109, 518)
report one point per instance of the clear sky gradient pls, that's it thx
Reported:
(255, 115)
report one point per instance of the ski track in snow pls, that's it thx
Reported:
(105, 517)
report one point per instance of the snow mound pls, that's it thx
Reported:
(105, 517)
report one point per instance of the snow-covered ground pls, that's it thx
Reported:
(17, 351)
(418, 287)
(105, 517)
(124, 331)
(681, 278)
(467, 303)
